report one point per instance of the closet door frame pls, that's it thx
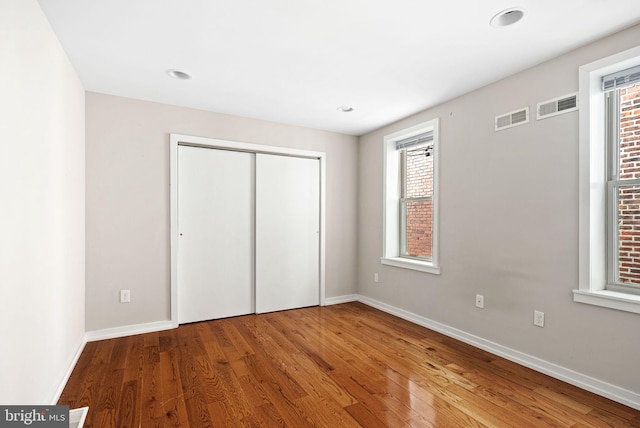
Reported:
(186, 140)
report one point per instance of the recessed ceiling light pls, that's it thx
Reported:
(507, 17)
(345, 109)
(177, 74)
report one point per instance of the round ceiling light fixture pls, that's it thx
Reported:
(177, 74)
(345, 109)
(507, 17)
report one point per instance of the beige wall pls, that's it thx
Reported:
(42, 215)
(127, 161)
(509, 226)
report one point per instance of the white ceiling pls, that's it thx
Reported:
(296, 61)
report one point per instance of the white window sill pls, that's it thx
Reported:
(609, 299)
(411, 264)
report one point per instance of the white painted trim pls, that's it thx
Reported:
(411, 264)
(243, 147)
(173, 224)
(613, 392)
(67, 375)
(341, 299)
(128, 330)
(323, 227)
(179, 139)
(609, 299)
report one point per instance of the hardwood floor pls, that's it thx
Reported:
(339, 366)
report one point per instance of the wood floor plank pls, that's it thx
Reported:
(212, 384)
(128, 412)
(109, 397)
(340, 366)
(320, 379)
(385, 407)
(326, 413)
(133, 366)
(219, 415)
(198, 410)
(237, 398)
(80, 373)
(87, 393)
(606, 418)
(151, 384)
(364, 417)
(173, 405)
(253, 391)
(510, 396)
(119, 353)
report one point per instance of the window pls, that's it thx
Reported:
(416, 196)
(622, 130)
(609, 183)
(411, 198)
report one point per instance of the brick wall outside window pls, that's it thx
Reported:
(419, 172)
(629, 196)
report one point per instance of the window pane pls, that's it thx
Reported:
(419, 171)
(629, 234)
(630, 132)
(419, 228)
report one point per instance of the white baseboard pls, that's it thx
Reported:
(128, 330)
(341, 299)
(613, 392)
(67, 374)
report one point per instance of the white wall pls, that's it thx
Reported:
(42, 215)
(509, 227)
(128, 200)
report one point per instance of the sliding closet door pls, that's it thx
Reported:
(287, 232)
(216, 242)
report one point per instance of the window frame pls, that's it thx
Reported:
(595, 217)
(392, 195)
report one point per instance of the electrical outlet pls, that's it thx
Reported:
(538, 318)
(479, 301)
(125, 296)
(375, 277)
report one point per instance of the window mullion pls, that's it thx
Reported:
(403, 226)
(612, 130)
(612, 232)
(403, 173)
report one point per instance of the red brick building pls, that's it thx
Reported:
(419, 184)
(629, 196)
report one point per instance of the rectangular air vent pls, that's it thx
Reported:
(557, 106)
(514, 118)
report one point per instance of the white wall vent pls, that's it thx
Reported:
(514, 118)
(557, 106)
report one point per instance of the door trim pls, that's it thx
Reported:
(187, 140)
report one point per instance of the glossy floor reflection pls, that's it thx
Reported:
(339, 366)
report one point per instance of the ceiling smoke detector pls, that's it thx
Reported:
(177, 74)
(507, 17)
